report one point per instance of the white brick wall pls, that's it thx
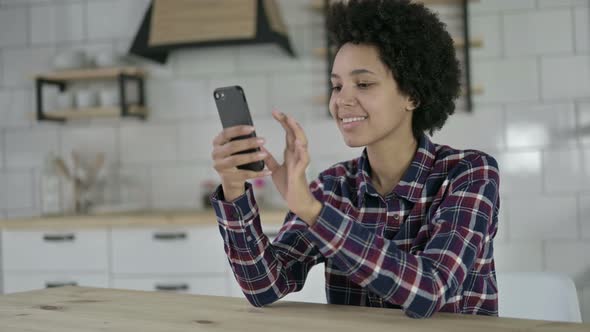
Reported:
(539, 32)
(582, 30)
(534, 116)
(565, 77)
(540, 125)
(13, 27)
(521, 172)
(59, 23)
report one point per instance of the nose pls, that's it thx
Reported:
(345, 98)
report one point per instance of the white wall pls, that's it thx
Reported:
(534, 115)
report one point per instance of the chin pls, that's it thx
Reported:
(354, 142)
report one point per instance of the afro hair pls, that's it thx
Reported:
(413, 43)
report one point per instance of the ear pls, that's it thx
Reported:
(412, 104)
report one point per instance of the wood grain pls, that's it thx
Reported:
(189, 21)
(69, 309)
(139, 219)
(91, 73)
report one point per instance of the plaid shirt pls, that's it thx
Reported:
(424, 247)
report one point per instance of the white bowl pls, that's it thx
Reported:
(106, 59)
(70, 59)
(109, 98)
(64, 100)
(86, 99)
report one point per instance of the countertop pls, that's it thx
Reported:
(69, 309)
(270, 217)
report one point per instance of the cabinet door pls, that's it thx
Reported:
(166, 250)
(62, 250)
(204, 285)
(21, 282)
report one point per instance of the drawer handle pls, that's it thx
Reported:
(53, 284)
(172, 287)
(170, 236)
(59, 238)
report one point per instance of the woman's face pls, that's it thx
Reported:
(365, 100)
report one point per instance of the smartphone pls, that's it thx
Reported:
(233, 111)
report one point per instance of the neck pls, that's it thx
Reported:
(389, 158)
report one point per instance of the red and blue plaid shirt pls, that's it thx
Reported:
(427, 246)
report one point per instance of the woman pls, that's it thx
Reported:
(409, 224)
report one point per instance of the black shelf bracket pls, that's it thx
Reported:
(122, 79)
(39, 83)
(467, 56)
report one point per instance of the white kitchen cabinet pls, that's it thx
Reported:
(55, 250)
(186, 250)
(181, 253)
(204, 285)
(20, 282)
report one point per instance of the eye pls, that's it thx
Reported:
(336, 88)
(364, 85)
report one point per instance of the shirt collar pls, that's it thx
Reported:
(412, 182)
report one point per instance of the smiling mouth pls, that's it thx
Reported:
(355, 119)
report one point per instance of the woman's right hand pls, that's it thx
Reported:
(225, 161)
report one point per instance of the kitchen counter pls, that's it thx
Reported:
(130, 219)
(95, 309)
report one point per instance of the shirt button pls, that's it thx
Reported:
(235, 215)
(396, 216)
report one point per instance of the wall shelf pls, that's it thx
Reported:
(64, 77)
(91, 74)
(95, 112)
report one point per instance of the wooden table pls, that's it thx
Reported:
(70, 309)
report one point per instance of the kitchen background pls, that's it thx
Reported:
(533, 115)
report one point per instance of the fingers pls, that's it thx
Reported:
(229, 148)
(221, 164)
(302, 155)
(270, 161)
(228, 133)
(297, 131)
(243, 175)
(290, 137)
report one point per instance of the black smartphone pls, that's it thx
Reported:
(233, 111)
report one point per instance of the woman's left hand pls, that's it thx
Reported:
(289, 177)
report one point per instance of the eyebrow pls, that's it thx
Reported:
(354, 73)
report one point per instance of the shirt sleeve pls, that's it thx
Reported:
(424, 282)
(266, 272)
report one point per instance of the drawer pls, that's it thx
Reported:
(21, 282)
(204, 285)
(80, 250)
(177, 251)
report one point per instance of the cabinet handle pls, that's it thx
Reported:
(172, 287)
(170, 236)
(59, 238)
(53, 284)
